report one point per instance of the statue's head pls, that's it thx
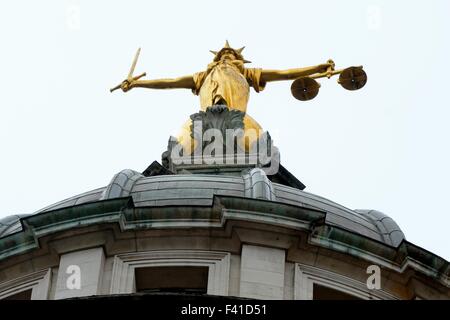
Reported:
(228, 53)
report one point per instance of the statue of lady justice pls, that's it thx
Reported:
(225, 82)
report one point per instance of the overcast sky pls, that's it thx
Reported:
(385, 147)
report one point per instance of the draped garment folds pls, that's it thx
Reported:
(226, 82)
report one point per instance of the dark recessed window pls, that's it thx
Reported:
(172, 279)
(24, 295)
(325, 293)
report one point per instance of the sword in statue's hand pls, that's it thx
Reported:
(125, 85)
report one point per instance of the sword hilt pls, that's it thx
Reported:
(133, 79)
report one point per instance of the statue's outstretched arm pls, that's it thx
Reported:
(278, 75)
(186, 82)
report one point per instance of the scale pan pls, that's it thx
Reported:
(305, 88)
(353, 78)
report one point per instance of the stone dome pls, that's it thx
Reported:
(200, 190)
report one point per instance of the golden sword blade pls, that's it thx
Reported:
(130, 74)
(136, 56)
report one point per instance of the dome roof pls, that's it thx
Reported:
(200, 189)
(10, 224)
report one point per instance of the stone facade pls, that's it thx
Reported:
(257, 238)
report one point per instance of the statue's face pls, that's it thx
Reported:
(228, 55)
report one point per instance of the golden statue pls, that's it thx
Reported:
(226, 81)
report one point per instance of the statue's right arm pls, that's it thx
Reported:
(186, 82)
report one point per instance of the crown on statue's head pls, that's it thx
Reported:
(228, 48)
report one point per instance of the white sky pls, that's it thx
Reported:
(384, 147)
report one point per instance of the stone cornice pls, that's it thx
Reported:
(224, 208)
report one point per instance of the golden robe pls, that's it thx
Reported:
(226, 82)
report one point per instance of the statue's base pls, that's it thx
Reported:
(220, 153)
(228, 164)
(281, 176)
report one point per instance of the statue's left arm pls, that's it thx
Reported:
(288, 74)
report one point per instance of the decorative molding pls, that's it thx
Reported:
(223, 208)
(121, 184)
(227, 128)
(323, 239)
(91, 265)
(306, 276)
(218, 117)
(38, 282)
(257, 185)
(218, 263)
